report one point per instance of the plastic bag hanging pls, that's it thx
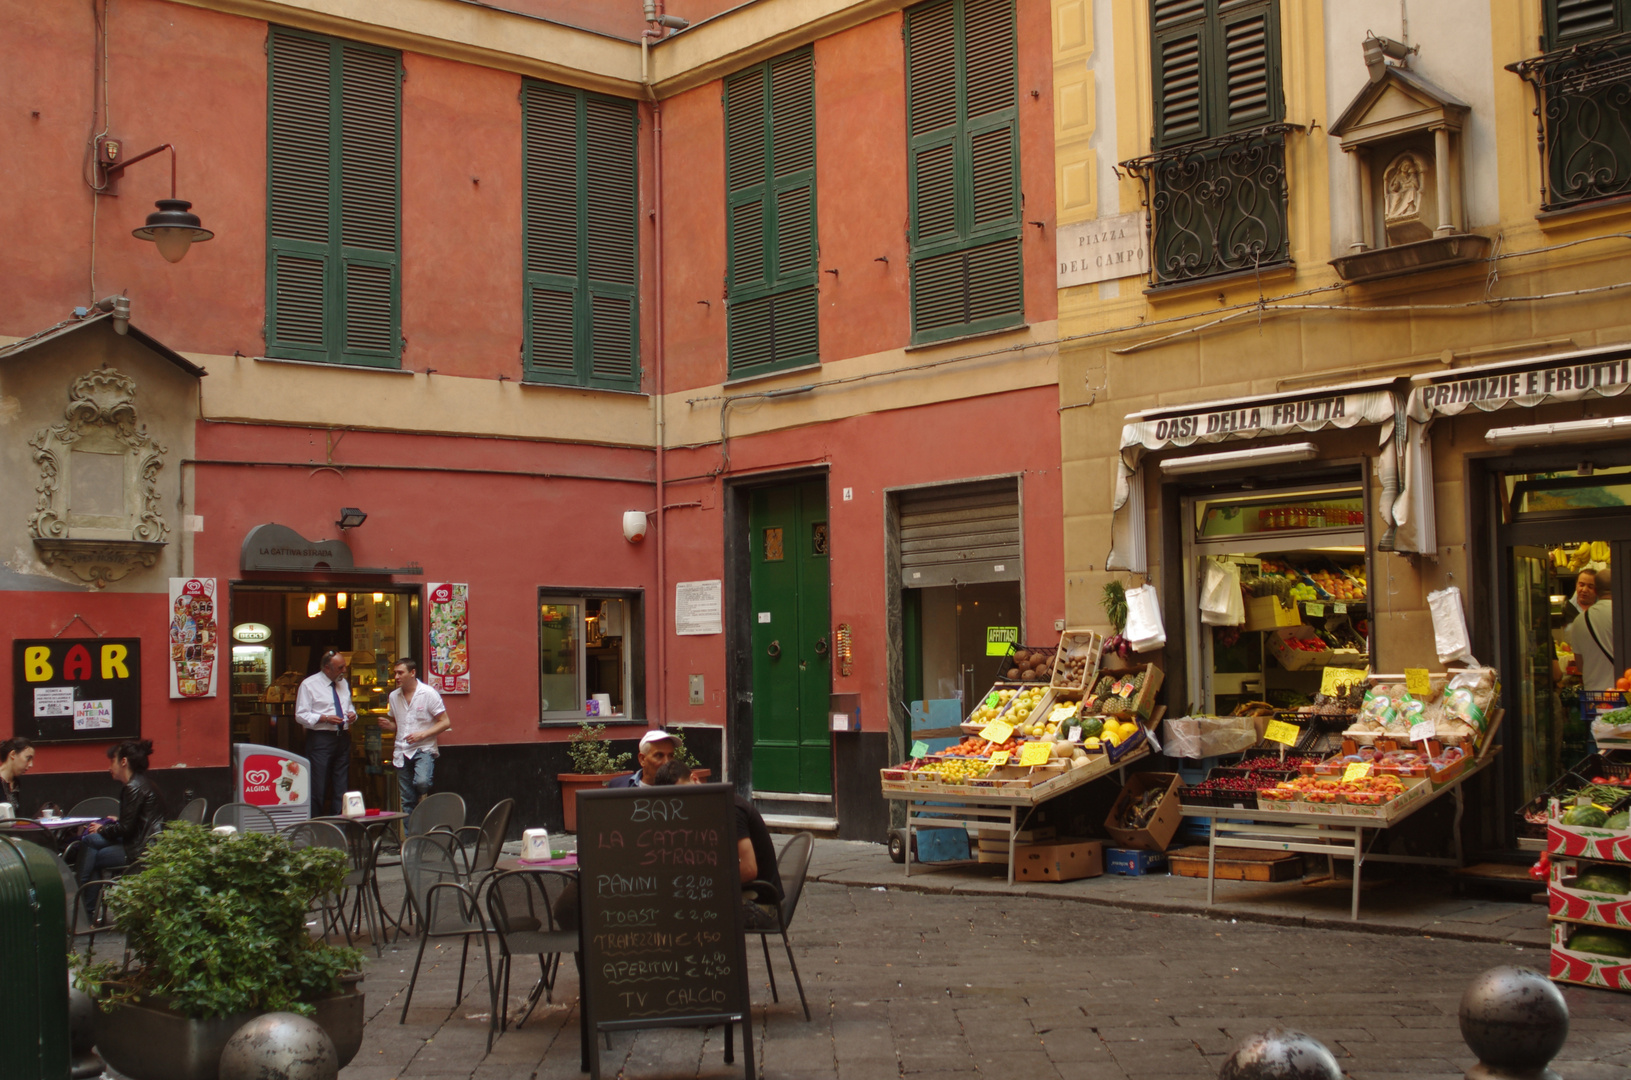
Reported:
(1450, 627)
(1144, 628)
(1221, 603)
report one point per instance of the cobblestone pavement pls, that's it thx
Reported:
(912, 985)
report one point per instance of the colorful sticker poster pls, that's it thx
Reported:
(449, 655)
(194, 639)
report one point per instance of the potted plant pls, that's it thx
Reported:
(593, 764)
(215, 933)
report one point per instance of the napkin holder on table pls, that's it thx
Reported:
(535, 845)
(353, 807)
(7, 811)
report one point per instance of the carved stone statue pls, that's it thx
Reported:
(1405, 198)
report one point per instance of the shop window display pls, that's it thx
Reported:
(585, 658)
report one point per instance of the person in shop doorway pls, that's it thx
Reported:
(417, 717)
(323, 708)
(656, 750)
(16, 758)
(1591, 634)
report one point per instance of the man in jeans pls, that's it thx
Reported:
(323, 708)
(417, 717)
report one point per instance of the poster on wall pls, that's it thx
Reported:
(65, 689)
(699, 607)
(449, 658)
(193, 637)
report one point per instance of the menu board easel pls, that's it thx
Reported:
(661, 913)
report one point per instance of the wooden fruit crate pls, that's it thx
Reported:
(1240, 864)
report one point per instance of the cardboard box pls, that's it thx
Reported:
(1237, 864)
(1587, 969)
(1586, 842)
(1268, 613)
(1565, 901)
(1297, 659)
(1157, 833)
(1039, 835)
(1133, 863)
(1063, 860)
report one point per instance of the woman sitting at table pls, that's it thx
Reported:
(16, 758)
(119, 843)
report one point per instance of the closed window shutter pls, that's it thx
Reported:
(963, 148)
(1179, 103)
(579, 240)
(1249, 43)
(1216, 67)
(1571, 21)
(770, 198)
(333, 264)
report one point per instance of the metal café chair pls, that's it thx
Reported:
(444, 906)
(244, 818)
(323, 834)
(525, 911)
(194, 811)
(96, 806)
(792, 863)
(441, 811)
(482, 844)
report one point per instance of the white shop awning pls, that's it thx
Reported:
(1522, 384)
(1347, 405)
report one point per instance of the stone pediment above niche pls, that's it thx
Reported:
(98, 512)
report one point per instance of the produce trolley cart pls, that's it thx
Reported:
(952, 806)
(1335, 835)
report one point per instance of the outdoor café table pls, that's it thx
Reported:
(569, 865)
(47, 832)
(1336, 836)
(365, 831)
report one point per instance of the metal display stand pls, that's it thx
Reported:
(959, 806)
(1336, 836)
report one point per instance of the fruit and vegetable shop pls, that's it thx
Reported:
(1378, 615)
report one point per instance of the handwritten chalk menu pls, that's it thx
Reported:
(65, 689)
(660, 888)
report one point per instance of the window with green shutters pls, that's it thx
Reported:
(962, 110)
(333, 251)
(770, 216)
(580, 250)
(1569, 22)
(1216, 65)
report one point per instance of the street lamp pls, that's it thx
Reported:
(172, 227)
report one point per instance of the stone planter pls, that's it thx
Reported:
(148, 1042)
(572, 783)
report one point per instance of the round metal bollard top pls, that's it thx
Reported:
(1279, 1054)
(1516, 1021)
(280, 1046)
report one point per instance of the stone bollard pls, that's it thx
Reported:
(280, 1046)
(1516, 1021)
(1279, 1054)
(83, 1060)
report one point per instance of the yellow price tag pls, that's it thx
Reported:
(1416, 682)
(999, 758)
(1281, 732)
(1356, 770)
(1035, 753)
(997, 731)
(1340, 676)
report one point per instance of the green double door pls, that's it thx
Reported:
(791, 639)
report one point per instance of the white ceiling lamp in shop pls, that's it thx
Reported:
(1570, 431)
(1237, 459)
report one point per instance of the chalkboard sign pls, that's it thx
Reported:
(70, 689)
(661, 911)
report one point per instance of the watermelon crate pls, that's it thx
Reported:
(1590, 892)
(1586, 841)
(1578, 956)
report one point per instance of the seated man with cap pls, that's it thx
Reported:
(656, 750)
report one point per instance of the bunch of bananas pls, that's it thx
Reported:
(1597, 551)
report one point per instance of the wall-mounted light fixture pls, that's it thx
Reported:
(339, 600)
(350, 518)
(634, 525)
(173, 227)
(316, 605)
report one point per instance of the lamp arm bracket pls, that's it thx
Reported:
(117, 168)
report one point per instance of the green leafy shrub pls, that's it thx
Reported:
(217, 925)
(591, 753)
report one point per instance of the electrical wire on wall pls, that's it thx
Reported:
(101, 122)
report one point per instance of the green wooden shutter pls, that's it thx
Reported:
(1215, 66)
(579, 238)
(963, 167)
(1571, 21)
(333, 201)
(1248, 45)
(770, 197)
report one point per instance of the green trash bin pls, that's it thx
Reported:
(33, 964)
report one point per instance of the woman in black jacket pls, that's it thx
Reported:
(140, 806)
(16, 758)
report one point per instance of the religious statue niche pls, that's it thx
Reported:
(1408, 203)
(97, 514)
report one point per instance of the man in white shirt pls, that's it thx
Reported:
(1591, 635)
(323, 708)
(417, 717)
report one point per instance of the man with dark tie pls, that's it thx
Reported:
(323, 708)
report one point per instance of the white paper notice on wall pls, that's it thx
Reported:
(1103, 249)
(53, 701)
(764, 616)
(90, 715)
(698, 607)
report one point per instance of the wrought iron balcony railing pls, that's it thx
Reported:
(1217, 206)
(1583, 109)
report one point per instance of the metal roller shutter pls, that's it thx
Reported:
(960, 533)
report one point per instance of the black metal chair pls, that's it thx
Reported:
(194, 812)
(324, 834)
(443, 905)
(532, 913)
(791, 865)
(442, 811)
(482, 844)
(244, 818)
(96, 806)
